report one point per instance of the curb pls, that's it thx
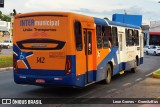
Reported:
(156, 73)
(7, 68)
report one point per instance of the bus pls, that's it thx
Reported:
(73, 50)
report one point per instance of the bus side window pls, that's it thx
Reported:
(99, 36)
(106, 36)
(131, 38)
(114, 37)
(136, 35)
(78, 35)
(127, 37)
(89, 43)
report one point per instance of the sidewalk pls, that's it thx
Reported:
(7, 68)
(153, 89)
(147, 88)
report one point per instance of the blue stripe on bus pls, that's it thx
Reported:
(22, 55)
(103, 64)
(40, 72)
(99, 21)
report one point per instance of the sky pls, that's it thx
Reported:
(149, 9)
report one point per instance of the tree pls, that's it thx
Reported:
(5, 17)
(11, 14)
(0, 15)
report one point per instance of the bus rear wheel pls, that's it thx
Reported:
(108, 74)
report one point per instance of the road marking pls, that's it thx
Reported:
(148, 74)
(138, 79)
(126, 84)
(111, 90)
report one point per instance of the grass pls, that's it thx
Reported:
(6, 61)
(158, 72)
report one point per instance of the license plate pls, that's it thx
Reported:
(41, 81)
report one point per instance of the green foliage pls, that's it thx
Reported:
(6, 61)
(0, 15)
(5, 17)
(158, 72)
(11, 14)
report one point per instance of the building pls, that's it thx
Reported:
(145, 29)
(154, 33)
(5, 30)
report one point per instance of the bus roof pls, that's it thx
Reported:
(81, 17)
(41, 14)
(108, 22)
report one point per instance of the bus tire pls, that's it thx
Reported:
(133, 70)
(108, 74)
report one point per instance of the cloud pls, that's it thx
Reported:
(105, 13)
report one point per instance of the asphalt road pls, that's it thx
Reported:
(116, 89)
(6, 52)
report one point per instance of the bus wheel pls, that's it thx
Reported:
(133, 70)
(109, 74)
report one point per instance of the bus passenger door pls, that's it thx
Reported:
(121, 55)
(89, 53)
